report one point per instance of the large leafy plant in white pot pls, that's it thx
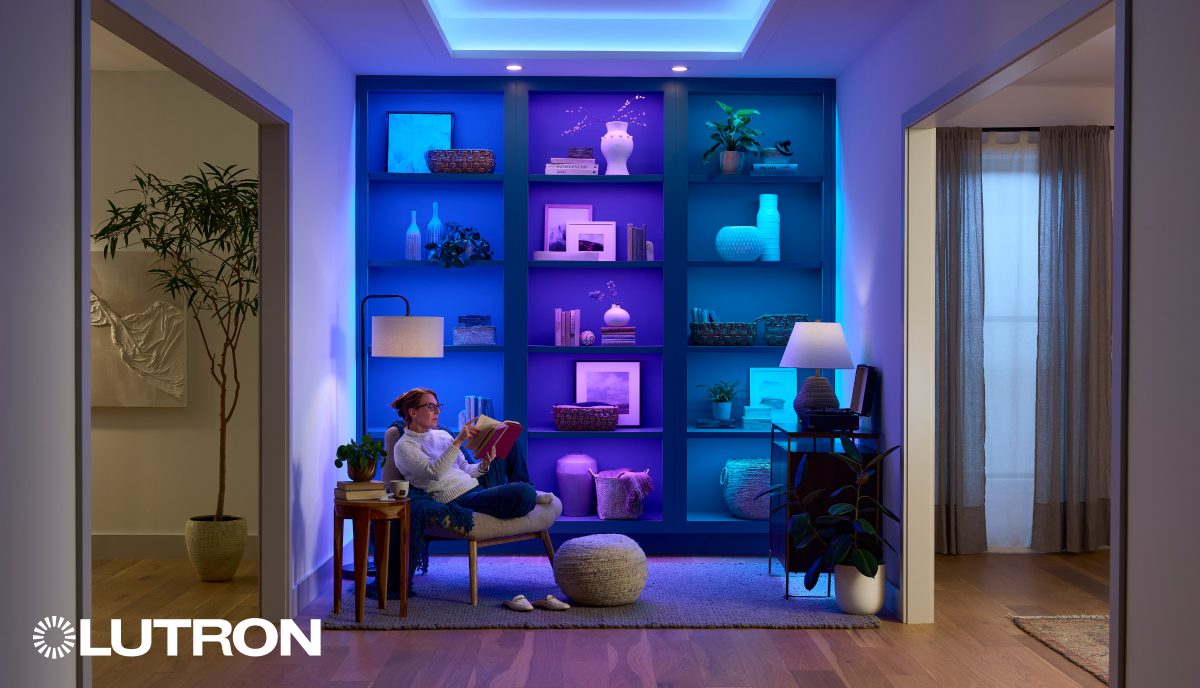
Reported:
(204, 232)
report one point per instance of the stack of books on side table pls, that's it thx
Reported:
(618, 336)
(358, 492)
(570, 166)
(757, 418)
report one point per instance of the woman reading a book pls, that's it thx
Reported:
(432, 460)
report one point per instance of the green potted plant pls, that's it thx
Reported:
(721, 394)
(732, 137)
(459, 247)
(841, 534)
(360, 458)
(203, 230)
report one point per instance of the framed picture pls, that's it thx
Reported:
(558, 216)
(862, 399)
(593, 237)
(774, 388)
(410, 134)
(612, 382)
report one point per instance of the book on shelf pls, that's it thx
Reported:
(350, 485)
(566, 327)
(776, 168)
(359, 495)
(635, 242)
(566, 255)
(493, 434)
(572, 169)
(572, 161)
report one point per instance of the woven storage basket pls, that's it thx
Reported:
(778, 328)
(616, 500)
(724, 334)
(461, 160)
(741, 481)
(585, 416)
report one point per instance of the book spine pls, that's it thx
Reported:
(572, 161)
(556, 171)
(558, 327)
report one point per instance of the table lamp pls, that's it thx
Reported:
(816, 345)
(396, 336)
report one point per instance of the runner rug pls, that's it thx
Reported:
(1081, 639)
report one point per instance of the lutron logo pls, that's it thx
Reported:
(54, 637)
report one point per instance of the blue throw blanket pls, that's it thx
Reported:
(423, 510)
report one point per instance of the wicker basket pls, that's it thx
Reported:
(724, 334)
(741, 481)
(461, 160)
(617, 496)
(778, 328)
(585, 416)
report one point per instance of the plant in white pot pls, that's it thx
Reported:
(842, 535)
(204, 232)
(721, 394)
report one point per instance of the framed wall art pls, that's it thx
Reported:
(612, 382)
(593, 237)
(558, 216)
(774, 388)
(410, 134)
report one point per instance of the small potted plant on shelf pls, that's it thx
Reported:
(460, 246)
(360, 458)
(733, 137)
(835, 523)
(721, 393)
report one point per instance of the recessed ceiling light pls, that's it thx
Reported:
(514, 68)
(679, 68)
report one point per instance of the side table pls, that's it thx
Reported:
(362, 514)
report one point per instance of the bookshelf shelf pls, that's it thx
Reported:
(433, 177)
(596, 178)
(597, 349)
(754, 179)
(597, 434)
(757, 264)
(598, 265)
(426, 265)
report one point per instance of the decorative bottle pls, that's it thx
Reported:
(768, 225)
(412, 240)
(433, 231)
(617, 146)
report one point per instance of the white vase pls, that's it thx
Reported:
(857, 594)
(768, 225)
(412, 240)
(616, 145)
(433, 230)
(616, 316)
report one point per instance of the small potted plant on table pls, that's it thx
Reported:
(721, 393)
(360, 458)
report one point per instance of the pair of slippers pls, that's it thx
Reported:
(520, 604)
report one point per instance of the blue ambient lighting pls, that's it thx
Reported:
(703, 28)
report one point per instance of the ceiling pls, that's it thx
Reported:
(796, 38)
(111, 54)
(1093, 63)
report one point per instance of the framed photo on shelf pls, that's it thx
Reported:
(410, 134)
(612, 382)
(774, 388)
(593, 237)
(558, 216)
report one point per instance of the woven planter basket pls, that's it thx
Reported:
(778, 328)
(616, 500)
(461, 160)
(741, 481)
(215, 548)
(598, 417)
(724, 334)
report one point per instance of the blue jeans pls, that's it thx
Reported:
(502, 501)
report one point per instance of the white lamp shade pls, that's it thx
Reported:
(407, 336)
(816, 345)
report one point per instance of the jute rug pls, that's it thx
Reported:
(1081, 639)
(681, 592)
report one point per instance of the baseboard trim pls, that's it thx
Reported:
(151, 546)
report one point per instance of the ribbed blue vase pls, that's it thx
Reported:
(739, 243)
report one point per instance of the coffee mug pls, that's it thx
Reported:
(399, 489)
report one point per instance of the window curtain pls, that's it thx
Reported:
(960, 426)
(1010, 249)
(1071, 484)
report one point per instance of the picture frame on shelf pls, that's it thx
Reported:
(612, 382)
(410, 134)
(774, 388)
(558, 216)
(593, 237)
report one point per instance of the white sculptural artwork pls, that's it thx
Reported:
(139, 339)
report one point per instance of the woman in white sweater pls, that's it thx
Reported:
(431, 460)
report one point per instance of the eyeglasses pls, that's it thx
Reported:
(435, 408)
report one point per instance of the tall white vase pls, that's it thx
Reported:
(768, 225)
(617, 146)
(412, 240)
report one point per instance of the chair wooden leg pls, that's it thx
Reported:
(473, 558)
(549, 545)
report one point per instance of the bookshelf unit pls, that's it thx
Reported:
(682, 201)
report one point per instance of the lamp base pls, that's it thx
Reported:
(816, 394)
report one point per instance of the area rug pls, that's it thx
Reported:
(1081, 639)
(681, 592)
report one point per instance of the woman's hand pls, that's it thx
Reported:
(467, 432)
(486, 462)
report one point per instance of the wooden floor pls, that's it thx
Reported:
(973, 642)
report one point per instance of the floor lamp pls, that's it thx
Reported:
(396, 336)
(816, 345)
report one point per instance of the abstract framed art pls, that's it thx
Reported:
(410, 134)
(558, 216)
(612, 382)
(774, 388)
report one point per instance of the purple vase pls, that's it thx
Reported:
(576, 488)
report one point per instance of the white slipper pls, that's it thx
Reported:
(519, 604)
(552, 603)
(544, 498)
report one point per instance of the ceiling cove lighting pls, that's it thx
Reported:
(703, 29)
(679, 68)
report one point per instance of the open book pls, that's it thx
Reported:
(493, 433)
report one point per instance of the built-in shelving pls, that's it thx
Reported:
(754, 179)
(597, 179)
(429, 264)
(597, 349)
(597, 265)
(757, 264)
(433, 178)
(644, 432)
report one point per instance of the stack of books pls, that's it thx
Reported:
(636, 246)
(566, 327)
(618, 336)
(774, 168)
(569, 166)
(357, 492)
(756, 417)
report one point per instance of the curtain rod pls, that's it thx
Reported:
(1110, 128)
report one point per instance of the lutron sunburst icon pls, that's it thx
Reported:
(54, 637)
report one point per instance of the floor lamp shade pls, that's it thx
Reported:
(407, 336)
(816, 345)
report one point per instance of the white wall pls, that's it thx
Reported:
(1040, 105)
(39, 309)
(1163, 378)
(153, 468)
(272, 45)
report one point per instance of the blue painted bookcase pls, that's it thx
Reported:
(682, 201)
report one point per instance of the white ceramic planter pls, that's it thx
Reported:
(857, 594)
(616, 145)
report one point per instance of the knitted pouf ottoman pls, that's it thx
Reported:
(600, 570)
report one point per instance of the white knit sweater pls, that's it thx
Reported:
(430, 461)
